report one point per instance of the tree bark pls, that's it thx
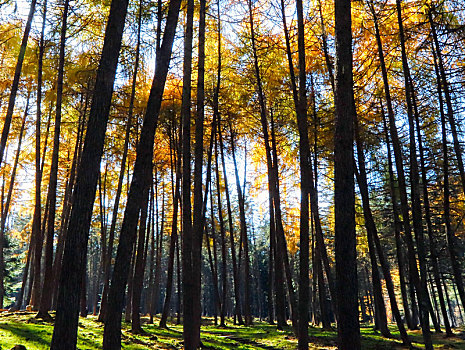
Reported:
(198, 217)
(111, 235)
(244, 238)
(6, 206)
(66, 322)
(176, 163)
(188, 270)
(374, 241)
(140, 181)
(223, 241)
(238, 311)
(46, 292)
(451, 239)
(344, 193)
(420, 284)
(16, 78)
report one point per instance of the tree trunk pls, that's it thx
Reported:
(344, 193)
(451, 239)
(140, 181)
(138, 278)
(374, 241)
(156, 286)
(16, 78)
(223, 241)
(6, 207)
(421, 285)
(244, 238)
(231, 230)
(107, 265)
(429, 224)
(174, 229)
(66, 322)
(46, 292)
(190, 325)
(415, 278)
(198, 218)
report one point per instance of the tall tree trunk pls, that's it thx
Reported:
(429, 224)
(138, 278)
(374, 241)
(46, 293)
(412, 262)
(38, 174)
(140, 181)
(198, 218)
(281, 244)
(67, 201)
(107, 266)
(244, 238)
(451, 239)
(344, 192)
(223, 241)
(6, 207)
(156, 287)
(188, 283)
(231, 230)
(16, 78)
(420, 286)
(176, 164)
(305, 177)
(397, 229)
(66, 322)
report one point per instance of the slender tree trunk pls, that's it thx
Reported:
(244, 238)
(397, 225)
(231, 230)
(67, 202)
(188, 270)
(138, 277)
(46, 293)
(66, 322)
(421, 285)
(429, 224)
(374, 241)
(223, 242)
(38, 174)
(156, 287)
(344, 193)
(140, 181)
(6, 206)
(451, 239)
(198, 218)
(16, 78)
(107, 266)
(174, 229)
(415, 278)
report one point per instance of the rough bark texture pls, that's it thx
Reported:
(66, 322)
(140, 181)
(344, 194)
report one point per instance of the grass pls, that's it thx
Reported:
(23, 328)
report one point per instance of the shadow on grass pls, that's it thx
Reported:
(29, 334)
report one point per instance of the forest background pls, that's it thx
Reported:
(266, 67)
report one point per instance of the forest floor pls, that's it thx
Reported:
(23, 328)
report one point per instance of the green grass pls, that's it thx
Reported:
(23, 328)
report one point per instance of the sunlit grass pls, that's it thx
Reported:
(23, 328)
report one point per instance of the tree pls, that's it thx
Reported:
(344, 193)
(74, 257)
